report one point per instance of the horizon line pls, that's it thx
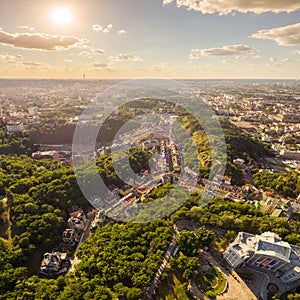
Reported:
(175, 78)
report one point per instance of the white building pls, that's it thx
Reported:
(33, 111)
(267, 251)
(14, 127)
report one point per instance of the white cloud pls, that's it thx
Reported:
(106, 29)
(194, 55)
(283, 36)
(84, 46)
(224, 7)
(100, 65)
(286, 59)
(128, 57)
(241, 57)
(84, 53)
(122, 31)
(228, 61)
(274, 64)
(39, 41)
(257, 56)
(97, 27)
(10, 57)
(165, 2)
(98, 51)
(161, 67)
(33, 64)
(229, 50)
(297, 52)
(272, 59)
(27, 28)
(68, 60)
(91, 51)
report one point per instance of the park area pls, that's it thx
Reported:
(211, 282)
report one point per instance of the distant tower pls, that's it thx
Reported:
(84, 76)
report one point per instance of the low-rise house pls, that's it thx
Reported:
(277, 207)
(77, 220)
(99, 220)
(70, 236)
(239, 162)
(46, 154)
(54, 263)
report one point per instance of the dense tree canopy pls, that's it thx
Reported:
(285, 184)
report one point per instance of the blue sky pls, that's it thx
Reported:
(150, 38)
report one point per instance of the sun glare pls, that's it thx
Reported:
(62, 16)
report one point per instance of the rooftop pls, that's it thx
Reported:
(268, 243)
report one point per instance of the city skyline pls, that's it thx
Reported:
(159, 38)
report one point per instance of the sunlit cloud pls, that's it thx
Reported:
(84, 53)
(27, 28)
(91, 51)
(193, 56)
(229, 50)
(274, 64)
(10, 57)
(97, 27)
(122, 57)
(224, 7)
(100, 65)
(122, 31)
(33, 63)
(40, 41)
(107, 29)
(161, 67)
(98, 51)
(283, 36)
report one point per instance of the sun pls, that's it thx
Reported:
(62, 16)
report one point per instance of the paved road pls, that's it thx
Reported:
(195, 291)
(85, 234)
(237, 289)
(162, 267)
(265, 283)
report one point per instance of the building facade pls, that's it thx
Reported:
(13, 127)
(267, 251)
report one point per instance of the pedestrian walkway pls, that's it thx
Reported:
(237, 288)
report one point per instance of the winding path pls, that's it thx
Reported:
(167, 256)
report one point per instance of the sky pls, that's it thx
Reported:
(150, 38)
